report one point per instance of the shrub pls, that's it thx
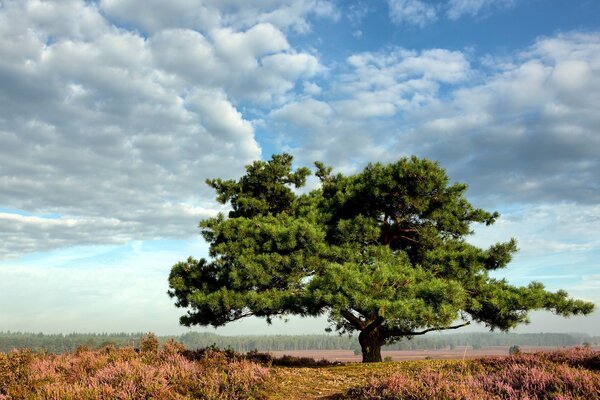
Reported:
(513, 350)
(109, 373)
(560, 375)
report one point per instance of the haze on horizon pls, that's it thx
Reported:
(114, 112)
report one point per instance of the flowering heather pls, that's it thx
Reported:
(565, 375)
(127, 373)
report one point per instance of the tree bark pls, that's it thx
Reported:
(370, 343)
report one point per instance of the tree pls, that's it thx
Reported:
(381, 252)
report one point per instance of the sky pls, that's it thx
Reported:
(114, 112)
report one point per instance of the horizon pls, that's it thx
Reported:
(114, 112)
(329, 334)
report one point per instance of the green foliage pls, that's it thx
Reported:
(263, 190)
(382, 252)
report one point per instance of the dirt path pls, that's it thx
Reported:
(292, 383)
(295, 383)
(314, 383)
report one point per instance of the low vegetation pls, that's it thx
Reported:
(572, 374)
(149, 372)
(172, 372)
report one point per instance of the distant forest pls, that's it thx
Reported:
(61, 343)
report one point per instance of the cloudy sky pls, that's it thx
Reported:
(114, 112)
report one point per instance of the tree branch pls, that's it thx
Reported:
(410, 239)
(395, 332)
(353, 319)
(240, 316)
(374, 324)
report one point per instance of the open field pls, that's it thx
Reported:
(567, 375)
(171, 372)
(457, 353)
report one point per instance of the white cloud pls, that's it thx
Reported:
(257, 64)
(412, 12)
(308, 114)
(101, 124)
(526, 123)
(23, 234)
(571, 75)
(205, 15)
(529, 126)
(220, 119)
(398, 65)
(374, 87)
(67, 18)
(284, 14)
(312, 88)
(544, 230)
(424, 12)
(242, 49)
(189, 55)
(156, 15)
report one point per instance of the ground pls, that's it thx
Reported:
(322, 382)
(458, 353)
(332, 382)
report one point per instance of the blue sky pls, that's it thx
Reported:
(114, 112)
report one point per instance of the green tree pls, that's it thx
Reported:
(381, 252)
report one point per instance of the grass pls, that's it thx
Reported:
(335, 381)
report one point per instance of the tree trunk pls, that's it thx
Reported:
(370, 344)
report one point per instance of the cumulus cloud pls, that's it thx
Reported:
(257, 64)
(520, 129)
(372, 90)
(530, 126)
(204, 15)
(115, 131)
(402, 78)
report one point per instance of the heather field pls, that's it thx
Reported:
(149, 372)
(572, 374)
(172, 372)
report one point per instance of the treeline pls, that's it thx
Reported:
(434, 341)
(61, 343)
(487, 339)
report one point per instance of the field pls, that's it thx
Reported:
(457, 353)
(172, 372)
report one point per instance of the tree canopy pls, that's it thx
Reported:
(382, 252)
